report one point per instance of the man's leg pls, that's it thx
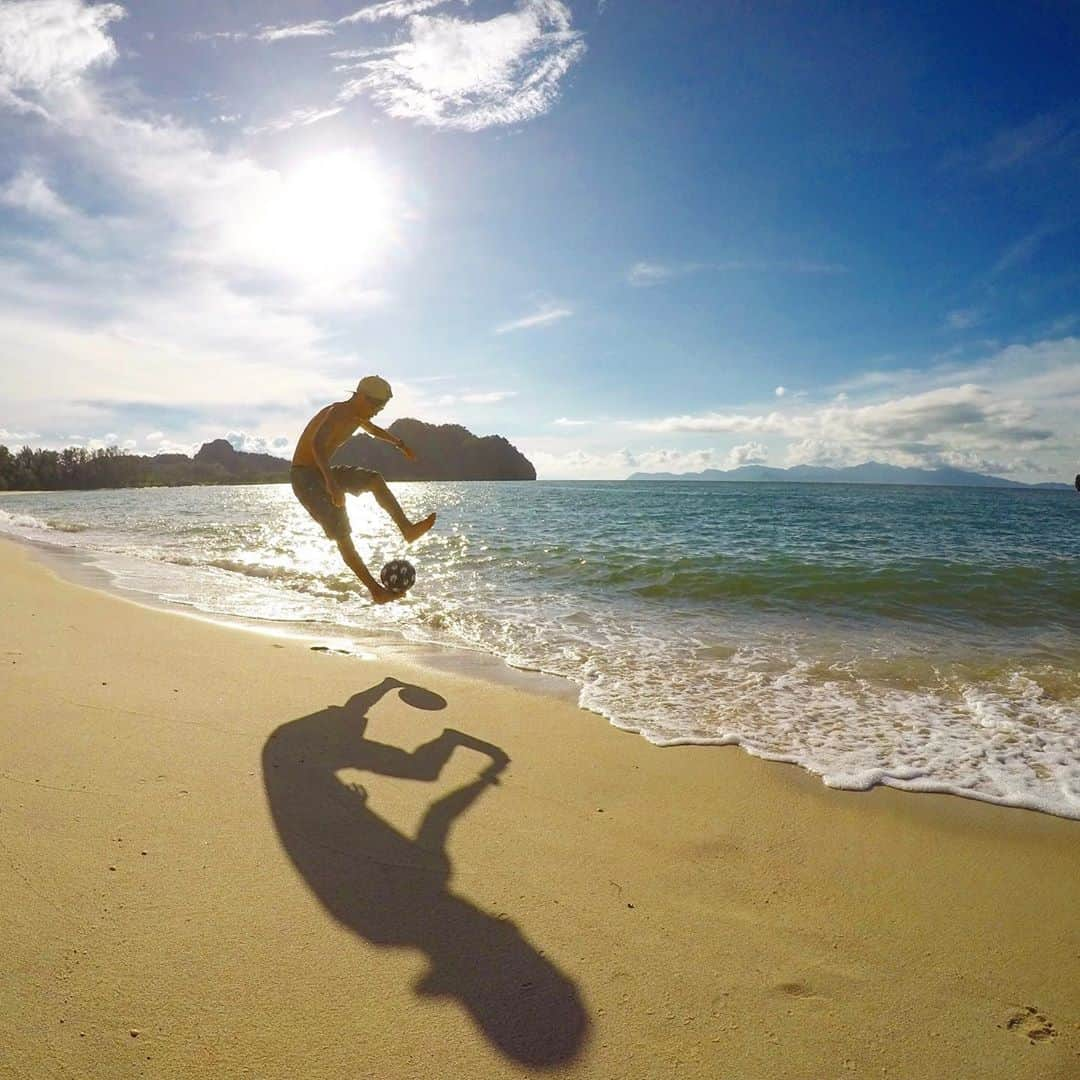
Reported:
(410, 530)
(379, 593)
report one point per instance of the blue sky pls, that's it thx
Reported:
(628, 236)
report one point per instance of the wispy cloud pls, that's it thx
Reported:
(474, 74)
(484, 397)
(647, 273)
(318, 28)
(445, 71)
(963, 318)
(545, 317)
(1045, 136)
(1023, 250)
(394, 9)
(302, 117)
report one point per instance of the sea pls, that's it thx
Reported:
(924, 638)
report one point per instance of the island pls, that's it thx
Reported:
(870, 472)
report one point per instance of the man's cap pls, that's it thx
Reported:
(375, 387)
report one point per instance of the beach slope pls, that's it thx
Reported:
(225, 855)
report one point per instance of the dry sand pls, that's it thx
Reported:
(224, 855)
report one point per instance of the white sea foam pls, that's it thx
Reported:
(18, 524)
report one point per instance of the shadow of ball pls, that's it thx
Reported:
(419, 698)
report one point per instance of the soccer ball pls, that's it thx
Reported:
(398, 575)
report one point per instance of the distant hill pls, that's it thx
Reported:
(238, 463)
(871, 472)
(443, 452)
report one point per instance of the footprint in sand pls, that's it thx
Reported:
(1031, 1024)
(798, 990)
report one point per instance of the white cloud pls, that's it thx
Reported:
(393, 9)
(302, 117)
(545, 317)
(317, 28)
(645, 273)
(1018, 402)
(653, 273)
(47, 45)
(751, 453)
(564, 421)
(167, 446)
(488, 397)
(446, 71)
(780, 391)
(248, 443)
(473, 74)
(30, 192)
(220, 273)
(19, 437)
(554, 463)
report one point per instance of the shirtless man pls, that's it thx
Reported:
(321, 488)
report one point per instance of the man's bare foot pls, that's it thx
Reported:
(381, 595)
(418, 528)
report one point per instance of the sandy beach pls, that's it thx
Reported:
(223, 854)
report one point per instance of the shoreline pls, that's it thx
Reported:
(225, 855)
(81, 568)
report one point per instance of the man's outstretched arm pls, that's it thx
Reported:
(393, 440)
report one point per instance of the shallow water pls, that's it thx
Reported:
(928, 638)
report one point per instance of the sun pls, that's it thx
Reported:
(326, 218)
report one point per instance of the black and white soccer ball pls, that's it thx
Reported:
(398, 575)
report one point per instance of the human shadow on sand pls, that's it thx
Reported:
(393, 889)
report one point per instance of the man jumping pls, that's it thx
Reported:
(322, 488)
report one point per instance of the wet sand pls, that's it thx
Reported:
(225, 855)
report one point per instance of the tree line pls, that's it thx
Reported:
(79, 469)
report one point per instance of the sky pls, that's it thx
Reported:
(628, 236)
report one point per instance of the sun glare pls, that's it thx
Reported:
(328, 217)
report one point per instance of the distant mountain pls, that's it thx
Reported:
(870, 472)
(443, 452)
(238, 463)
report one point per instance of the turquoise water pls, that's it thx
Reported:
(927, 638)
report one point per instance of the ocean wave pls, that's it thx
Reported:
(12, 522)
(1008, 595)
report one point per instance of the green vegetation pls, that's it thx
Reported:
(78, 469)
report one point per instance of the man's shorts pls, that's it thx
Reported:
(310, 489)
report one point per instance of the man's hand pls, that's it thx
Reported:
(337, 496)
(405, 450)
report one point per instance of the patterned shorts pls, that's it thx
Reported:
(310, 489)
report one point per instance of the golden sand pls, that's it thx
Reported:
(225, 855)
